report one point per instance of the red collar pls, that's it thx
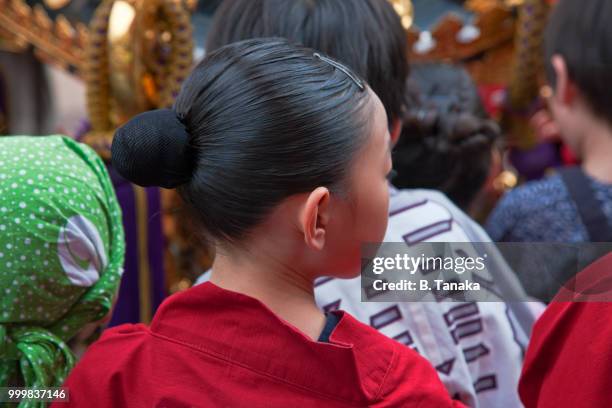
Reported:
(243, 331)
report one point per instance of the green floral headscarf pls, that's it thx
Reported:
(61, 254)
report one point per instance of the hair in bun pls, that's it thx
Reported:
(152, 149)
(256, 122)
(447, 137)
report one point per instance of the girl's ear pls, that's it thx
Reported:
(314, 218)
(565, 90)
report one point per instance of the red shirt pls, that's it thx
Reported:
(569, 359)
(209, 347)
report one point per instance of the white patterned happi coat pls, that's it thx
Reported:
(476, 347)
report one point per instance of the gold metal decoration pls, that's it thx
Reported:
(96, 76)
(133, 57)
(514, 3)
(482, 6)
(125, 64)
(192, 5)
(496, 27)
(405, 10)
(57, 42)
(56, 4)
(506, 180)
(524, 87)
(138, 56)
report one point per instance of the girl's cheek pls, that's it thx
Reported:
(384, 217)
(378, 214)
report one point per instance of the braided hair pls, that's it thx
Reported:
(447, 137)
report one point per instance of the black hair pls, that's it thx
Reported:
(366, 35)
(580, 31)
(447, 137)
(256, 122)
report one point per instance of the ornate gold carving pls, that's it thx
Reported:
(405, 10)
(482, 6)
(524, 86)
(56, 4)
(56, 42)
(496, 27)
(137, 57)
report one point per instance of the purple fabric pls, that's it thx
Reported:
(127, 309)
(533, 163)
(82, 129)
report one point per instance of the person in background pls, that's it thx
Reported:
(448, 140)
(480, 367)
(283, 155)
(61, 255)
(575, 204)
(568, 363)
(366, 33)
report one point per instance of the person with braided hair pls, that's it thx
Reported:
(448, 140)
(61, 255)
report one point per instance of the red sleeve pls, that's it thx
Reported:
(98, 379)
(569, 359)
(413, 381)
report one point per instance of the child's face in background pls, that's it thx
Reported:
(565, 119)
(361, 216)
(568, 109)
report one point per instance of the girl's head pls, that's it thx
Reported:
(578, 53)
(274, 147)
(447, 139)
(366, 35)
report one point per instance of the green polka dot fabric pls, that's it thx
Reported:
(61, 254)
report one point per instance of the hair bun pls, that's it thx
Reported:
(152, 149)
(465, 127)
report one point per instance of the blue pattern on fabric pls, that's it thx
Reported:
(543, 211)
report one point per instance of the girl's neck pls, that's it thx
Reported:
(597, 153)
(284, 290)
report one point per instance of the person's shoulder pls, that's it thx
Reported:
(533, 200)
(119, 342)
(418, 210)
(418, 195)
(99, 378)
(122, 334)
(569, 347)
(536, 194)
(392, 374)
(413, 208)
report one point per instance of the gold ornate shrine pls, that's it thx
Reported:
(137, 57)
(133, 55)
